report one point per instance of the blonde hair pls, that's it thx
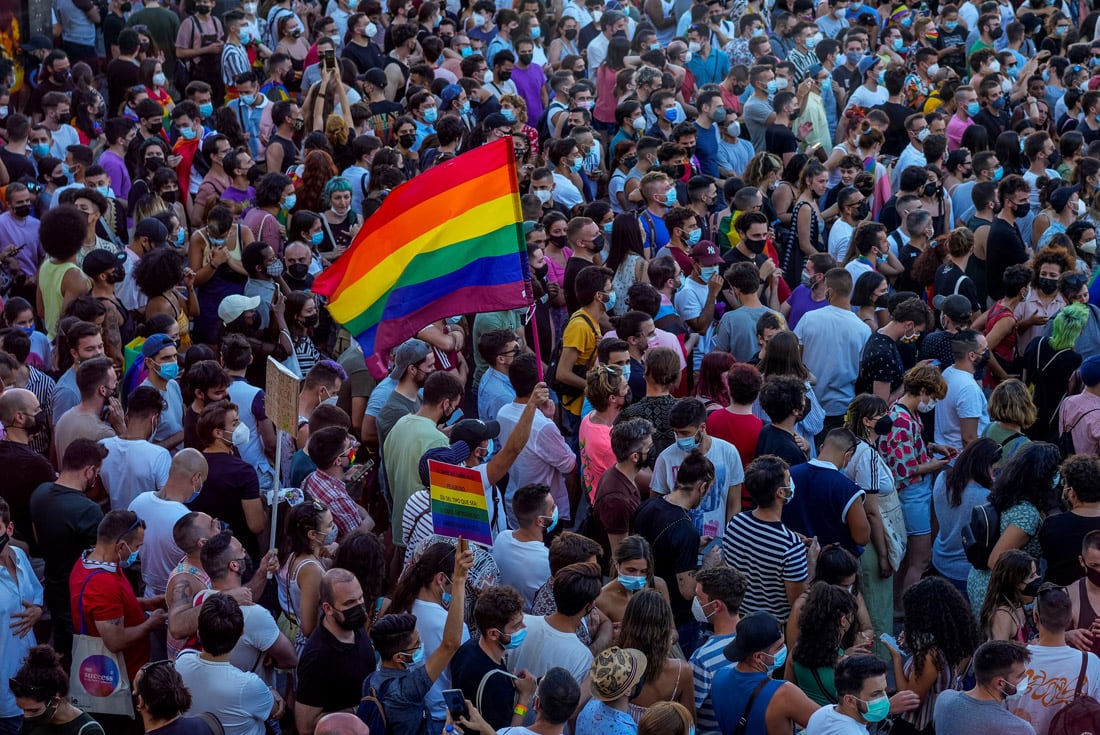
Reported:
(665, 718)
(603, 382)
(336, 129)
(1011, 403)
(518, 103)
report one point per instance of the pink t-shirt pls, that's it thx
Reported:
(955, 130)
(596, 454)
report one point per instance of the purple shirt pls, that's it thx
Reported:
(529, 83)
(801, 304)
(115, 167)
(241, 196)
(22, 233)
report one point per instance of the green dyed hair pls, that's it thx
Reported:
(1068, 326)
(333, 185)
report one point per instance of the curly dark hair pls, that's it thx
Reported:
(819, 634)
(938, 620)
(158, 271)
(1028, 476)
(41, 677)
(270, 188)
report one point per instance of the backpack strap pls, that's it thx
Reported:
(1081, 675)
(821, 686)
(212, 722)
(1010, 438)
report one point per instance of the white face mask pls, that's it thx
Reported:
(734, 129)
(543, 195)
(1088, 246)
(994, 66)
(933, 69)
(926, 406)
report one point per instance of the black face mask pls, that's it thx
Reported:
(996, 33)
(354, 618)
(125, 7)
(678, 171)
(1021, 210)
(407, 141)
(930, 189)
(882, 301)
(39, 424)
(60, 180)
(152, 164)
(525, 59)
(570, 34)
(598, 243)
(298, 271)
(739, 89)
(22, 212)
(505, 76)
(630, 161)
(1031, 589)
(310, 322)
(1048, 285)
(118, 275)
(884, 425)
(541, 272)
(559, 240)
(169, 197)
(156, 127)
(4, 538)
(755, 246)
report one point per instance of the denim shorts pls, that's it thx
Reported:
(916, 506)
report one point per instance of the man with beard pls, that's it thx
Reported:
(106, 268)
(296, 259)
(414, 434)
(413, 362)
(498, 348)
(23, 417)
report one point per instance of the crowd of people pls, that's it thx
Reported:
(800, 430)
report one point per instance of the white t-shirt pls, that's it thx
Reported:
(690, 302)
(544, 648)
(857, 268)
(1053, 672)
(710, 517)
(964, 400)
(430, 619)
(828, 721)
(132, 467)
(865, 98)
(260, 634)
(240, 701)
(524, 565)
(159, 553)
(839, 237)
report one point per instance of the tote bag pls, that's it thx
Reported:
(98, 682)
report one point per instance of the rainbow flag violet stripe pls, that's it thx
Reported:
(449, 241)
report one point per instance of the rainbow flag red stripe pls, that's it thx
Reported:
(448, 242)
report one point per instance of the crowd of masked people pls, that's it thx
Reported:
(801, 429)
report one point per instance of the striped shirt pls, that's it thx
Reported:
(42, 386)
(769, 554)
(705, 663)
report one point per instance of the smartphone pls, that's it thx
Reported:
(330, 58)
(456, 704)
(716, 543)
(890, 641)
(463, 545)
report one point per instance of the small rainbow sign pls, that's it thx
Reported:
(459, 507)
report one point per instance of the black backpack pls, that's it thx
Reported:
(1065, 439)
(581, 371)
(981, 534)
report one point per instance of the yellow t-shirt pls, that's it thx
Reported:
(582, 333)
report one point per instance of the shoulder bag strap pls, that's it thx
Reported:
(1086, 413)
(1081, 675)
(743, 723)
(80, 604)
(685, 516)
(821, 686)
(485, 680)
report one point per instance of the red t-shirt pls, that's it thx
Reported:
(107, 596)
(742, 431)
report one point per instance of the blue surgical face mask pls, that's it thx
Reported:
(772, 87)
(688, 443)
(670, 198)
(105, 192)
(610, 304)
(577, 164)
(431, 114)
(778, 659)
(695, 236)
(169, 371)
(998, 173)
(417, 657)
(188, 133)
(950, 25)
(465, 107)
(626, 371)
(27, 330)
(791, 489)
(40, 150)
(899, 44)
(672, 114)
(248, 100)
(973, 108)
(632, 583)
(290, 201)
(206, 109)
(553, 520)
(317, 238)
(515, 640)
(708, 272)
(181, 237)
(508, 114)
(131, 559)
(607, 227)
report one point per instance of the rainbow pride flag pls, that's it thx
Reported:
(449, 241)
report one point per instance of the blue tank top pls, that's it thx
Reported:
(730, 693)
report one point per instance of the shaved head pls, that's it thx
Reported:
(187, 463)
(15, 400)
(341, 723)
